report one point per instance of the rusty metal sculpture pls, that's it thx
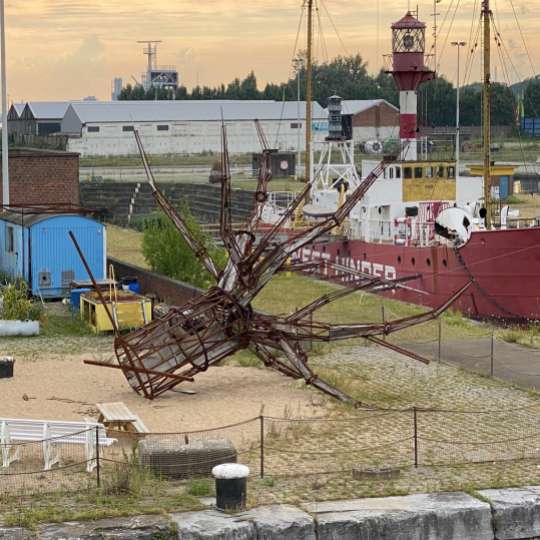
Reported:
(221, 321)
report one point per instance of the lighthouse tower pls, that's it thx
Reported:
(409, 71)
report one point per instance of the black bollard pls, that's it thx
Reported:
(231, 485)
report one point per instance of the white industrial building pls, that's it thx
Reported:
(187, 127)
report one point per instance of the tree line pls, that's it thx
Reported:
(348, 77)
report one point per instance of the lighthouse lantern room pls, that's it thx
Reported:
(409, 71)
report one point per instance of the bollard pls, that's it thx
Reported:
(6, 367)
(231, 485)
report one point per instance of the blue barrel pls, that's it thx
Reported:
(76, 297)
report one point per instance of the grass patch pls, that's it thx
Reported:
(67, 324)
(200, 487)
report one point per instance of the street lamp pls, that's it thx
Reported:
(458, 44)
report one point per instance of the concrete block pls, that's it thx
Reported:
(436, 516)
(281, 522)
(213, 525)
(516, 512)
(134, 528)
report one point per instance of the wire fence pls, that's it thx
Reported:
(363, 442)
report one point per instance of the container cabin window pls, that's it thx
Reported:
(451, 172)
(440, 172)
(296, 125)
(407, 172)
(127, 128)
(93, 129)
(391, 172)
(398, 172)
(418, 172)
(163, 127)
(10, 239)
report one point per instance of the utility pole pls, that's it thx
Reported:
(5, 142)
(458, 44)
(309, 88)
(486, 115)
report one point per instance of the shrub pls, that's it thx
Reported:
(168, 253)
(15, 305)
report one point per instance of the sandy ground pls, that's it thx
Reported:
(67, 389)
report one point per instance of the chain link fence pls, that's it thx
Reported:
(363, 442)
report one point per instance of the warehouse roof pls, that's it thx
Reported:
(31, 217)
(355, 106)
(166, 111)
(46, 110)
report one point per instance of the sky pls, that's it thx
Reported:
(69, 49)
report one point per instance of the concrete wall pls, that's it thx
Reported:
(43, 177)
(191, 137)
(502, 514)
(164, 289)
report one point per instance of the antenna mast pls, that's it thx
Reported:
(309, 88)
(151, 51)
(486, 113)
(435, 14)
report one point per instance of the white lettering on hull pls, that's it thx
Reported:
(384, 271)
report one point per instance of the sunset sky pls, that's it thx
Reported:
(68, 49)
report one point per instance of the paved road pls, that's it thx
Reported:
(511, 362)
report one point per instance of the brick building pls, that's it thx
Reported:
(43, 177)
(371, 119)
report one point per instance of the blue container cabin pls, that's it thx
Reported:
(38, 248)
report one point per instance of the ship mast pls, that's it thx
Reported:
(309, 88)
(486, 113)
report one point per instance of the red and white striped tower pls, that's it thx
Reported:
(409, 71)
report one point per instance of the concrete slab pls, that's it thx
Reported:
(281, 522)
(516, 512)
(213, 525)
(133, 528)
(436, 516)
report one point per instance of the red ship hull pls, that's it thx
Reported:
(504, 265)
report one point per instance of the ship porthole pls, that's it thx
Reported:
(399, 259)
(428, 262)
(413, 261)
(445, 263)
(365, 256)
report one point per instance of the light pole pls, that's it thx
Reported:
(5, 148)
(458, 44)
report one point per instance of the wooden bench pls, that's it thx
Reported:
(116, 416)
(51, 433)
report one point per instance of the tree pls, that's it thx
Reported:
(437, 103)
(166, 251)
(503, 105)
(531, 98)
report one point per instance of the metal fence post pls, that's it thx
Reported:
(415, 436)
(261, 419)
(98, 471)
(491, 367)
(440, 339)
(383, 318)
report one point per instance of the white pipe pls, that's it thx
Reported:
(5, 156)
